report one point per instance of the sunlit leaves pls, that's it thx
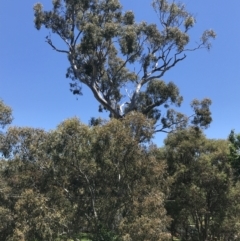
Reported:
(5, 114)
(39, 17)
(128, 42)
(22, 142)
(189, 22)
(208, 34)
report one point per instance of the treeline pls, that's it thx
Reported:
(109, 182)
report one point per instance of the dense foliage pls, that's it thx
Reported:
(108, 182)
(78, 178)
(203, 201)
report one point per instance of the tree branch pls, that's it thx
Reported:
(49, 41)
(172, 124)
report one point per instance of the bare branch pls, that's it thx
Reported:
(49, 41)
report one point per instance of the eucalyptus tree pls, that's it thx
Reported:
(102, 179)
(203, 200)
(116, 186)
(28, 206)
(122, 61)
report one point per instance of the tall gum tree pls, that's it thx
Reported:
(122, 61)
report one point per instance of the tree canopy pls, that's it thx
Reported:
(104, 183)
(121, 61)
(203, 196)
(78, 179)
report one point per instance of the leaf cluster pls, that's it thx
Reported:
(5, 114)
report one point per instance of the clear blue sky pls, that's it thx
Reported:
(32, 75)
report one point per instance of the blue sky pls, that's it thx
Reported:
(32, 75)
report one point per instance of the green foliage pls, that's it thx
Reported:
(99, 179)
(203, 195)
(102, 168)
(29, 205)
(5, 114)
(234, 156)
(104, 234)
(103, 43)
